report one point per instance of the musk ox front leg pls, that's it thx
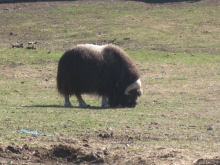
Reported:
(105, 102)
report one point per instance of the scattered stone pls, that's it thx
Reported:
(31, 43)
(12, 34)
(106, 152)
(17, 45)
(192, 126)
(92, 157)
(106, 135)
(210, 128)
(170, 155)
(31, 47)
(85, 140)
(10, 162)
(154, 123)
(87, 145)
(99, 155)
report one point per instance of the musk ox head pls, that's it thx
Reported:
(128, 97)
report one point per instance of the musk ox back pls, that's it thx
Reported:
(104, 70)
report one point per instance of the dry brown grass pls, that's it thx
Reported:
(171, 124)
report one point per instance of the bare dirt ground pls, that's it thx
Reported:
(94, 150)
(91, 150)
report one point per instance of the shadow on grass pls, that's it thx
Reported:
(146, 1)
(18, 1)
(164, 1)
(59, 106)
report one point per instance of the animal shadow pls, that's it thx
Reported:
(75, 107)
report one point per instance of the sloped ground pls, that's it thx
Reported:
(95, 149)
(87, 154)
(105, 148)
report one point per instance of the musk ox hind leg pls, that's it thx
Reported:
(105, 102)
(82, 103)
(67, 102)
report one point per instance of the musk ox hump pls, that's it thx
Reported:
(96, 48)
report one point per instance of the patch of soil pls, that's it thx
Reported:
(105, 147)
(97, 151)
(54, 154)
(214, 161)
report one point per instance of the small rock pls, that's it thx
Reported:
(17, 45)
(12, 34)
(99, 154)
(87, 145)
(93, 156)
(31, 47)
(210, 128)
(31, 43)
(10, 162)
(106, 135)
(106, 152)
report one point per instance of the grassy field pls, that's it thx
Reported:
(176, 47)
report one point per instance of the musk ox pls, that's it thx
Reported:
(104, 70)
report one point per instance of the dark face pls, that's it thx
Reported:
(130, 99)
(125, 100)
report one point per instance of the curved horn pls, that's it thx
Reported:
(135, 85)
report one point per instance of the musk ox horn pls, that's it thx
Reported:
(135, 85)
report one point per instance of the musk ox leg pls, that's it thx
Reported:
(67, 102)
(82, 103)
(105, 102)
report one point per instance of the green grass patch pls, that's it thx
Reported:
(175, 46)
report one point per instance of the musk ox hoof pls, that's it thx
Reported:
(84, 105)
(105, 106)
(68, 104)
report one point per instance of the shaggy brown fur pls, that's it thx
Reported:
(107, 72)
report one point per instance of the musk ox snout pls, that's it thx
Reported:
(131, 98)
